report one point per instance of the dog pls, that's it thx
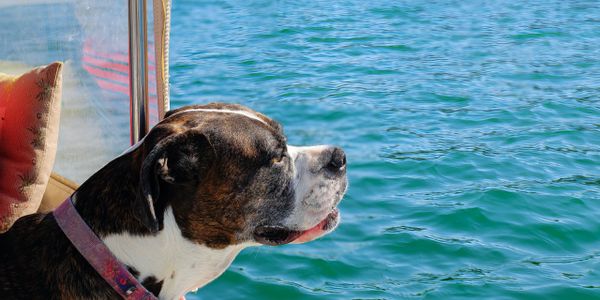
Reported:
(176, 208)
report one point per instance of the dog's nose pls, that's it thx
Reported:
(337, 162)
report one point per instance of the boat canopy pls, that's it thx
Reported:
(115, 79)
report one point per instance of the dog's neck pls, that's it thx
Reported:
(168, 259)
(165, 262)
(111, 193)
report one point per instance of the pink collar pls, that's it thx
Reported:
(97, 254)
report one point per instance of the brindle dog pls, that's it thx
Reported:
(206, 182)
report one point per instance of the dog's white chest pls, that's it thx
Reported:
(169, 257)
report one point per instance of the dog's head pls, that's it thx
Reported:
(230, 178)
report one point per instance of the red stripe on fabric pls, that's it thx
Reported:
(123, 68)
(124, 79)
(120, 57)
(92, 63)
(112, 86)
(116, 56)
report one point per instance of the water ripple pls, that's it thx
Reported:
(471, 130)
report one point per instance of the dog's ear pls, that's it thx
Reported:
(176, 159)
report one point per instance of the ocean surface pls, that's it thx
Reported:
(472, 130)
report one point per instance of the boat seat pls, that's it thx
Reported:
(57, 190)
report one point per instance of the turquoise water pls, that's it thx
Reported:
(472, 132)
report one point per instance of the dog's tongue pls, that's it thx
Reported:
(317, 230)
(280, 235)
(310, 234)
(182, 298)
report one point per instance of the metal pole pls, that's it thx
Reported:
(138, 70)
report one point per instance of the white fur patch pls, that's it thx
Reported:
(181, 264)
(226, 111)
(315, 195)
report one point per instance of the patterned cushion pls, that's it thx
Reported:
(29, 120)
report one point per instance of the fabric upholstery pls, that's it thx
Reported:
(29, 122)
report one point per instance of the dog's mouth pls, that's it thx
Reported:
(280, 235)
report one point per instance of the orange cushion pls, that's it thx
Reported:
(29, 120)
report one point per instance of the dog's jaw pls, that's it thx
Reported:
(178, 263)
(317, 192)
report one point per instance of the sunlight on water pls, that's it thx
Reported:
(472, 131)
